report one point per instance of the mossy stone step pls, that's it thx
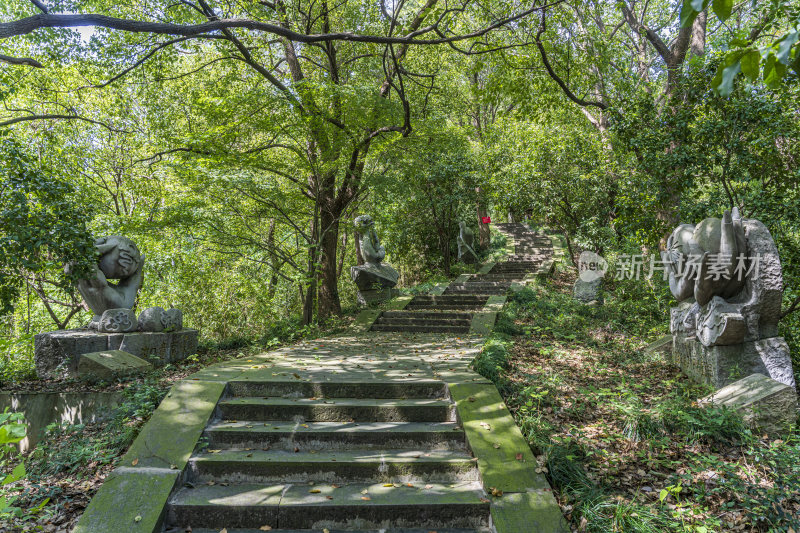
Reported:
(410, 388)
(431, 506)
(427, 314)
(335, 435)
(420, 328)
(411, 320)
(393, 530)
(346, 466)
(445, 307)
(337, 410)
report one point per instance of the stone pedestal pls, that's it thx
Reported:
(57, 353)
(373, 297)
(721, 365)
(375, 282)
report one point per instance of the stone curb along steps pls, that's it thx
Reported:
(379, 431)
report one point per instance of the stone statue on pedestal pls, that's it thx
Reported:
(157, 335)
(373, 279)
(119, 259)
(466, 244)
(726, 275)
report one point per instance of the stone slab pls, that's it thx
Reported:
(534, 511)
(169, 437)
(132, 500)
(110, 364)
(498, 446)
(588, 291)
(364, 321)
(482, 323)
(439, 288)
(56, 353)
(763, 402)
(663, 345)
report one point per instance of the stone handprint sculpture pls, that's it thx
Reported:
(119, 259)
(726, 276)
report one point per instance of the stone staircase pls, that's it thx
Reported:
(454, 309)
(314, 456)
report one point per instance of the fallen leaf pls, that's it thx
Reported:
(314, 491)
(366, 498)
(519, 457)
(134, 463)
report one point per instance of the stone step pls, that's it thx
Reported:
(347, 466)
(447, 307)
(420, 329)
(487, 291)
(448, 298)
(393, 530)
(421, 321)
(426, 314)
(420, 388)
(320, 506)
(338, 410)
(335, 435)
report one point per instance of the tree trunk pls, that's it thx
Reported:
(484, 235)
(328, 279)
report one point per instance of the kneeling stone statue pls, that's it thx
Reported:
(373, 279)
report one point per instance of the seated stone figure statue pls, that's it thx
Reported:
(119, 259)
(466, 244)
(373, 278)
(371, 248)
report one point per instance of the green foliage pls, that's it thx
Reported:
(12, 430)
(42, 226)
(69, 448)
(772, 59)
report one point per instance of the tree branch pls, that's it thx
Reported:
(53, 116)
(552, 73)
(46, 20)
(20, 61)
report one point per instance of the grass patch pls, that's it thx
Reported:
(618, 431)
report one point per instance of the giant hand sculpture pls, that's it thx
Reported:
(691, 251)
(119, 259)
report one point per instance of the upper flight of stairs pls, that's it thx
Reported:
(360, 456)
(453, 311)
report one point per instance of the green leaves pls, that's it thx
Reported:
(726, 73)
(750, 64)
(722, 8)
(691, 8)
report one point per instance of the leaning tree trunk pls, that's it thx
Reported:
(329, 304)
(483, 229)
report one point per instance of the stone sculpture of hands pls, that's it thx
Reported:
(119, 259)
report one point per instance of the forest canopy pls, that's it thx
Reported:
(235, 142)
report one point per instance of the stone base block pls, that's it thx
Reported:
(57, 353)
(764, 403)
(374, 297)
(662, 346)
(721, 365)
(110, 364)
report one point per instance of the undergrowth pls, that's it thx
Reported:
(618, 431)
